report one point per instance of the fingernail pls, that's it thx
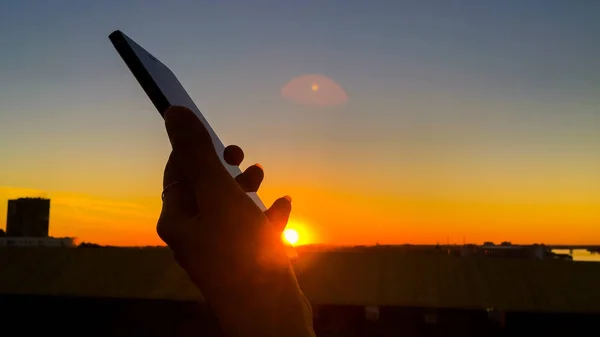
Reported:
(288, 198)
(259, 166)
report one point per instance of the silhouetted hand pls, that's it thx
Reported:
(215, 230)
(230, 249)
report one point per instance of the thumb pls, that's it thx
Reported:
(193, 148)
(279, 213)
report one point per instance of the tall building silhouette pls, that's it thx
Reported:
(28, 217)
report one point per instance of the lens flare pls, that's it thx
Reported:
(315, 90)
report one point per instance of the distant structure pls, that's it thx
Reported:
(508, 250)
(28, 217)
(28, 224)
(37, 242)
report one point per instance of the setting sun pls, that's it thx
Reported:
(291, 236)
(315, 87)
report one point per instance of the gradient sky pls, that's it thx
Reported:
(476, 119)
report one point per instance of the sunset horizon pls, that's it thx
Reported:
(86, 217)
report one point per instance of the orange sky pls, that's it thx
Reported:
(331, 214)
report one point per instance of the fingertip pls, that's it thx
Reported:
(259, 166)
(279, 213)
(176, 110)
(284, 203)
(257, 173)
(181, 119)
(251, 178)
(233, 155)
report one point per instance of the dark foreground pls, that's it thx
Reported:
(77, 316)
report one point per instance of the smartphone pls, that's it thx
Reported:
(164, 90)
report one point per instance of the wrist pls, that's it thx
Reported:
(267, 303)
(226, 267)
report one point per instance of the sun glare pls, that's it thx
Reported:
(291, 236)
